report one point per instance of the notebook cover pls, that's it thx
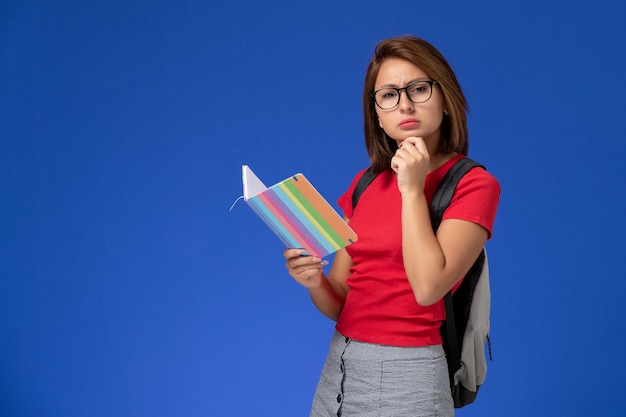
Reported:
(299, 215)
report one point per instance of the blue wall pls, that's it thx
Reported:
(128, 288)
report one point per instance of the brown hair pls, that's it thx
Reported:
(454, 135)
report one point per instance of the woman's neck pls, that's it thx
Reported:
(438, 159)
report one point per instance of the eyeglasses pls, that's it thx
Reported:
(418, 92)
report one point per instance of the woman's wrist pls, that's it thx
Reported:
(416, 196)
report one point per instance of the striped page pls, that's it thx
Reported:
(298, 214)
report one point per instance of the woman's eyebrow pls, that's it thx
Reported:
(392, 85)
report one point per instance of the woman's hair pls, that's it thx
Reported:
(454, 136)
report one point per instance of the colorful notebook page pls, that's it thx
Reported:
(298, 214)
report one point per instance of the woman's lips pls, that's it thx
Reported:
(409, 123)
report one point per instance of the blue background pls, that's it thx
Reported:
(128, 288)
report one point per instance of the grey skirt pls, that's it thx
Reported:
(369, 380)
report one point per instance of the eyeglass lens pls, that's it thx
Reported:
(388, 98)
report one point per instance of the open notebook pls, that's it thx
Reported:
(298, 214)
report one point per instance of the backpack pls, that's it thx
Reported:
(466, 328)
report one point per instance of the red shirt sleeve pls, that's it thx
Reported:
(475, 199)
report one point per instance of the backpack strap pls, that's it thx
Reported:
(445, 191)
(441, 201)
(365, 180)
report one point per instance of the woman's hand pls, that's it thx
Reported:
(328, 294)
(305, 270)
(411, 163)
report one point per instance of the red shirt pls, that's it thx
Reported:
(380, 306)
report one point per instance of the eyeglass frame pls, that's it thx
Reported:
(406, 91)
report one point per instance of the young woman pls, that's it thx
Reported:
(385, 291)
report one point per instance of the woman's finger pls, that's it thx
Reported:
(292, 253)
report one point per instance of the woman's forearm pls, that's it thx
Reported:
(424, 260)
(327, 299)
(434, 263)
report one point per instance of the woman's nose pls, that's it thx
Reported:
(405, 103)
